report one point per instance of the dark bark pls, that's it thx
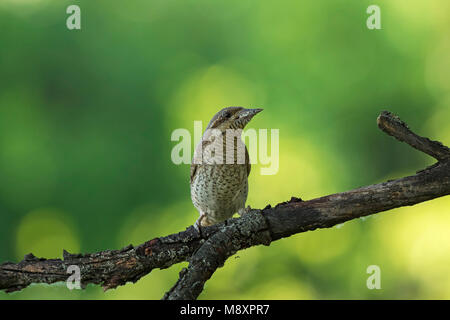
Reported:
(209, 250)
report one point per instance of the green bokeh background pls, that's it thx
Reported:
(86, 118)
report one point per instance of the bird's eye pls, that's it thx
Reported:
(227, 115)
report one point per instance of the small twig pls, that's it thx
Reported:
(393, 126)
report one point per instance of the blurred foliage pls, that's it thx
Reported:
(86, 118)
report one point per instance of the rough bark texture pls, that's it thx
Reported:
(208, 250)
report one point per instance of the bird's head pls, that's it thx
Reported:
(232, 118)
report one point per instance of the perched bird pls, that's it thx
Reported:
(220, 167)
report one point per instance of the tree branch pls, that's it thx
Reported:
(209, 250)
(393, 126)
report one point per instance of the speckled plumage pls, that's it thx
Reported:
(219, 189)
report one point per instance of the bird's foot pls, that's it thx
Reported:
(198, 223)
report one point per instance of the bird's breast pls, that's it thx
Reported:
(220, 189)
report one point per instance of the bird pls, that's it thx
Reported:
(220, 167)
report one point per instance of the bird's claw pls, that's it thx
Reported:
(198, 225)
(243, 211)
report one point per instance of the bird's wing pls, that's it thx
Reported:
(197, 159)
(193, 170)
(247, 161)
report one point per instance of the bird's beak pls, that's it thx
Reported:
(248, 114)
